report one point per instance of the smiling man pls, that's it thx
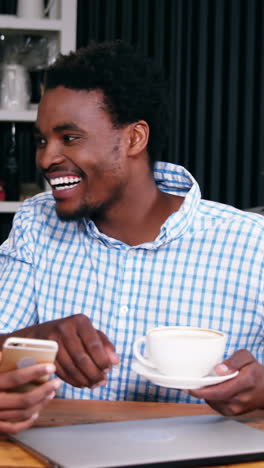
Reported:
(91, 175)
(124, 243)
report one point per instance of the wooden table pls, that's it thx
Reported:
(67, 412)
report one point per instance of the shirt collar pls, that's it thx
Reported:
(172, 179)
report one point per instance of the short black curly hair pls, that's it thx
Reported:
(134, 87)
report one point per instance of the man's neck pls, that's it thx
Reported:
(140, 221)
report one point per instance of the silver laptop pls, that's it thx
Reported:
(176, 441)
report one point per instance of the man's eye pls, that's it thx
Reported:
(39, 141)
(69, 138)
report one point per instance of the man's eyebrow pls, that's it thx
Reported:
(66, 126)
(61, 127)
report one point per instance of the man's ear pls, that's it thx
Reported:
(138, 137)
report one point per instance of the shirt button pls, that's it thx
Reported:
(123, 310)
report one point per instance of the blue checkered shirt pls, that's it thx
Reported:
(205, 269)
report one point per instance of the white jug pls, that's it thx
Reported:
(15, 87)
(32, 8)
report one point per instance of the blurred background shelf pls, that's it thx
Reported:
(28, 115)
(12, 22)
(60, 30)
(9, 206)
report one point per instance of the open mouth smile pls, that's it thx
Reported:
(64, 183)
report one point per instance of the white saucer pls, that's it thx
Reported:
(177, 382)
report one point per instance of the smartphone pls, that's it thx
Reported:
(18, 353)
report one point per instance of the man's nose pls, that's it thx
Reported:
(49, 156)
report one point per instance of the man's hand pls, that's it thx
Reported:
(85, 354)
(242, 393)
(18, 411)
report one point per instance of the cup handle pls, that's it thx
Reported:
(138, 355)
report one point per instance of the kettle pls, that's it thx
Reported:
(15, 87)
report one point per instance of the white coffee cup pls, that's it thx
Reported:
(186, 352)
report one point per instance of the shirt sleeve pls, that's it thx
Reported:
(17, 292)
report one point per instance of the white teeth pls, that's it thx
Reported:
(65, 187)
(61, 182)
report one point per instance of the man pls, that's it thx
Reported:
(18, 410)
(123, 244)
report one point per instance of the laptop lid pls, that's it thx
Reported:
(176, 441)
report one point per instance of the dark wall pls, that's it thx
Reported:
(213, 54)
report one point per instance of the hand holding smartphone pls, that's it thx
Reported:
(18, 353)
